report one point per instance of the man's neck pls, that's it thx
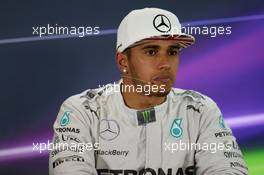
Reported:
(137, 100)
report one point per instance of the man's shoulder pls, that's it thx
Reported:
(91, 98)
(191, 96)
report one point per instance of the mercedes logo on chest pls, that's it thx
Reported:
(162, 23)
(109, 129)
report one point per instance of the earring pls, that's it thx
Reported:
(124, 71)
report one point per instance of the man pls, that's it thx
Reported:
(141, 125)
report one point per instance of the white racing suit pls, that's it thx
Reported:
(185, 135)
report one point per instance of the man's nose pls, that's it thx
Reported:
(164, 62)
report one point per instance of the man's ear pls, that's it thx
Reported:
(121, 61)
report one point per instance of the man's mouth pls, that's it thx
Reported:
(165, 78)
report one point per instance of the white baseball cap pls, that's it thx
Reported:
(150, 24)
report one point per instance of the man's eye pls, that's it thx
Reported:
(173, 52)
(151, 52)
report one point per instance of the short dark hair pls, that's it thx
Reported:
(127, 52)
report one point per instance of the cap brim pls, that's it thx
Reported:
(184, 40)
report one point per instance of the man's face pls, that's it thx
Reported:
(156, 62)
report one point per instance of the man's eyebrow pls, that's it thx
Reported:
(151, 47)
(175, 46)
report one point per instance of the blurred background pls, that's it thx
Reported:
(39, 73)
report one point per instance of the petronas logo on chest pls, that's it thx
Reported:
(65, 120)
(176, 129)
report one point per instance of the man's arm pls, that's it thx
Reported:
(226, 157)
(72, 141)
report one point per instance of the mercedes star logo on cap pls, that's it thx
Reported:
(109, 129)
(162, 23)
